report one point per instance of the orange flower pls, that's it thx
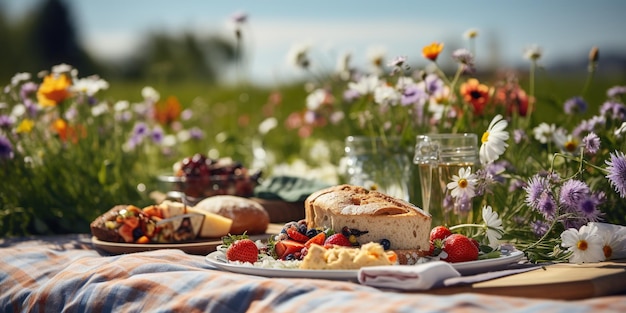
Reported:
(432, 51)
(67, 132)
(53, 90)
(168, 111)
(476, 94)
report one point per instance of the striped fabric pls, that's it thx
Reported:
(65, 274)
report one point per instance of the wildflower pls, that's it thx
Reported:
(616, 91)
(25, 126)
(298, 56)
(519, 135)
(591, 143)
(614, 239)
(386, 95)
(89, 86)
(365, 85)
(465, 58)
(343, 65)
(588, 207)
(585, 244)
(397, 61)
(413, 94)
(572, 192)
(239, 17)
(539, 228)
(620, 130)
(20, 77)
(463, 183)
(462, 204)
(6, 121)
(575, 105)
(150, 95)
(376, 57)
(476, 94)
(494, 140)
(567, 142)
(617, 172)
(6, 148)
(533, 53)
(614, 110)
(493, 225)
(268, 124)
(167, 112)
(432, 51)
(547, 206)
(544, 132)
(53, 90)
(471, 33)
(434, 85)
(316, 98)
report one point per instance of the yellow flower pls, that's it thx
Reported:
(53, 89)
(432, 51)
(25, 126)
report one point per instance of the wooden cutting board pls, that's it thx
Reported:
(558, 281)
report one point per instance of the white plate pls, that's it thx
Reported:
(465, 268)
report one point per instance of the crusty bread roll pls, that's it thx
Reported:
(247, 215)
(406, 226)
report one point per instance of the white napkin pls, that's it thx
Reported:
(407, 277)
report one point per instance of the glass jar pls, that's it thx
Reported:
(377, 163)
(439, 157)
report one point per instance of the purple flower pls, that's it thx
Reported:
(537, 185)
(413, 94)
(547, 206)
(517, 184)
(591, 143)
(575, 105)
(588, 208)
(539, 228)
(519, 135)
(617, 172)
(350, 95)
(196, 133)
(6, 148)
(157, 134)
(572, 192)
(465, 58)
(140, 130)
(5, 121)
(28, 89)
(397, 61)
(463, 204)
(614, 110)
(616, 91)
(434, 84)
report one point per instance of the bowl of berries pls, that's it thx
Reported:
(198, 177)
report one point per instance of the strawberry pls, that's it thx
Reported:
(459, 248)
(244, 250)
(286, 247)
(475, 242)
(296, 235)
(318, 239)
(439, 232)
(337, 239)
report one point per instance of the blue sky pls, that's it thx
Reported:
(564, 29)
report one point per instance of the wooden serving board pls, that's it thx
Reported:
(562, 281)
(198, 247)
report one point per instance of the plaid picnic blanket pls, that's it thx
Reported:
(66, 274)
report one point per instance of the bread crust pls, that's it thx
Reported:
(248, 216)
(99, 229)
(406, 226)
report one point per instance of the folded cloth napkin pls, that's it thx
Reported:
(408, 277)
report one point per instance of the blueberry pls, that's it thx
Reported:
(137, 232)
(312, 232)
(385, 243)
(346, 231)
(290, 257)
(302, 228)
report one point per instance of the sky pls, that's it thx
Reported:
(563, 29)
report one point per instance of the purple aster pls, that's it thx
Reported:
(547, 206)
(186, 114)
(591, 143)
(140, 129)
(463, 204)
(572, 192)
(413, 94)
(157, 134)
(519, 135)
(537, 185)
(617, 172)
(196, 133)
(613, 109)
(465, 58)
(575, 105)
(517, 184)
(28, 89)
(588, 208)
(6, 148)
(616, 91)
(539, 228)
(5, 121)
(434, 84)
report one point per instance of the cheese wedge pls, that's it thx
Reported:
(214, 225)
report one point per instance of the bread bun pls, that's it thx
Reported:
(406, 226)
(101, 231)
(247, 215)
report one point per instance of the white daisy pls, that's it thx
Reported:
(316, 98)
(463, 184)
(494, 226)
(614, 240)
(386, 95)
(366, 85)
(585, 244)
(544, 132)
(494, 140)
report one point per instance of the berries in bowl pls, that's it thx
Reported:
(199, 177)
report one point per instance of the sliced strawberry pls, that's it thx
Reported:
(317, 239)
(286, 247)
(296, 235)
(337, 239)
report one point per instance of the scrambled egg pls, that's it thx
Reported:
(347, 258)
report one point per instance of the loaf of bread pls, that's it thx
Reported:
(247, 215)
(378, 215)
